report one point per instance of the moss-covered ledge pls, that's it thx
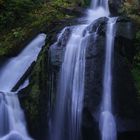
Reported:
(34, 97)
(42, 19)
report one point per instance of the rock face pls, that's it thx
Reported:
(124, 93)
(57, 49)
(114, 6)
(35, 98)
(125, 101)
(38, 98)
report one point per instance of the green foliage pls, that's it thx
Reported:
(37, 94)
(136, 75)
(137, 45)
(12, 11)
(64, 3)
(18, 33)
(60, 3)
(130, 8)
(136, 67)
(19, 20)
(87, 2)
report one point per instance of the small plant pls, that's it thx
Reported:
(18, 33)
(129, 8)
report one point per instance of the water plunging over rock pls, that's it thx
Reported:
(70, 88)
(13, 126)
(124, 110)
(107, 120)
(70, 92)
(97, 36)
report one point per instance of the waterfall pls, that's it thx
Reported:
(95, 4)
(66, 122)
(12, 122)
(107, 120)
(99, 8)
(71, 88)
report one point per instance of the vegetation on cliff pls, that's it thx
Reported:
(21, 20)
(131, 8)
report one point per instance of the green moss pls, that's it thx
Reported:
(36, 96)
(136, 69)
(11, 40)
(131, 9)
(136, 75)
(31, 103)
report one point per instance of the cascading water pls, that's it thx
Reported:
(107, 120)
(12, 122)
(71, 89)
(95, 4)
(67, 118)
(99, 8)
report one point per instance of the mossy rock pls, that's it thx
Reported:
(34, 97)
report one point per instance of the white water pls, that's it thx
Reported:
(95, 4)
(99, 8)
(107, 120)
(12, 122)
(67, 119)
(70, 92)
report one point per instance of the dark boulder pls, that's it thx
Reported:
(98, 26)
(93, 85)
(114, 6)
(34, 98)
(125, 28)
(57, 49)
(125, 97)
(125, 101)
(129, 135)
(125, 34)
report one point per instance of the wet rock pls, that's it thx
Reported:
(38, 97)
(125, 97)
(24, 77)
(42, 89)
(125, 28)
(98, 26)
(114, 6)
(57, 49)
(94, 72)
(125, 101)
(34, 98)
(89, 126)
(129, 135)
(125, 34)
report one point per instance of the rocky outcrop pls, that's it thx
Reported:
(125, 103)
(35, 97)
(38, 97)
(57, 49)
(114, 6)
